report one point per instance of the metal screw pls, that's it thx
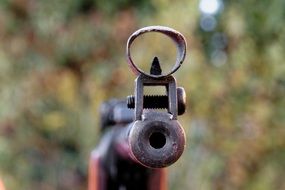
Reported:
(160, 101)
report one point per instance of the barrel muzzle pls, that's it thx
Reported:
(156, 141)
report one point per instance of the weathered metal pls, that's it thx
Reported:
(160, 101)
(157, 140)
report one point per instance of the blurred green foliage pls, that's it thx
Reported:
(59, 60)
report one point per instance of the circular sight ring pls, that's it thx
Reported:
(176, 36)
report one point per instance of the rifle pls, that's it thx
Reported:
(139, 141)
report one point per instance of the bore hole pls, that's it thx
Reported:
(157, 140)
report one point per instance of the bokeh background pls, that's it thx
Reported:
(59, 60)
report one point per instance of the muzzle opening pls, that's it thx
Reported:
(157, 140)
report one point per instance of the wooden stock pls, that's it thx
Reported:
(2, 187)
(96, 178)
(158, 180)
